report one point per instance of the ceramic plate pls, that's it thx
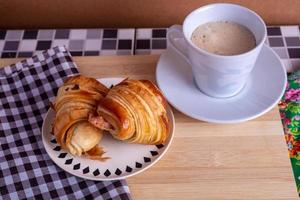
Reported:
(126, 159)
(263, 90)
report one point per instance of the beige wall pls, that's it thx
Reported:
(126, 13)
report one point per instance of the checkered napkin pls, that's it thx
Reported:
(26, 170)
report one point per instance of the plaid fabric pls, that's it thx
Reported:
(26, 170)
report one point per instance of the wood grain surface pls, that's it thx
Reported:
(206, 161)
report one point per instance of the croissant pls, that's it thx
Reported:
(134, 111)
(75, 100)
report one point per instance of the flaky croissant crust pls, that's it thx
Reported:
(136, 109)
(75, 100)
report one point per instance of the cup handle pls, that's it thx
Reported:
(176, 40)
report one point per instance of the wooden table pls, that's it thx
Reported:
(206, 161)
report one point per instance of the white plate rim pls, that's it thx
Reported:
(166, 146)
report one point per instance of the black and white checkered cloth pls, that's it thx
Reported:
(26, 170)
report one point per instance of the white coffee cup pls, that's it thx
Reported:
(218, 75)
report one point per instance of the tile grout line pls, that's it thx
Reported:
(52, 38)
(117, 42)
(134, 40)
(101, 39)
(289, 59)
(19, 44)
(286, 61)
(84, 43)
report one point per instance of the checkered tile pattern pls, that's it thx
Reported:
(80, 42)
(150, 41)
(285, 40)
(26, 171)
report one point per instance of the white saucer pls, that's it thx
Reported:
(263, 90)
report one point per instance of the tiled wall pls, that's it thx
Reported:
(285, 40)
(150, 41)
(81, 42)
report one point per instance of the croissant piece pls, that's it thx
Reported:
(82, 137)
(75, 100)
(135, 111)
(88, 84)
